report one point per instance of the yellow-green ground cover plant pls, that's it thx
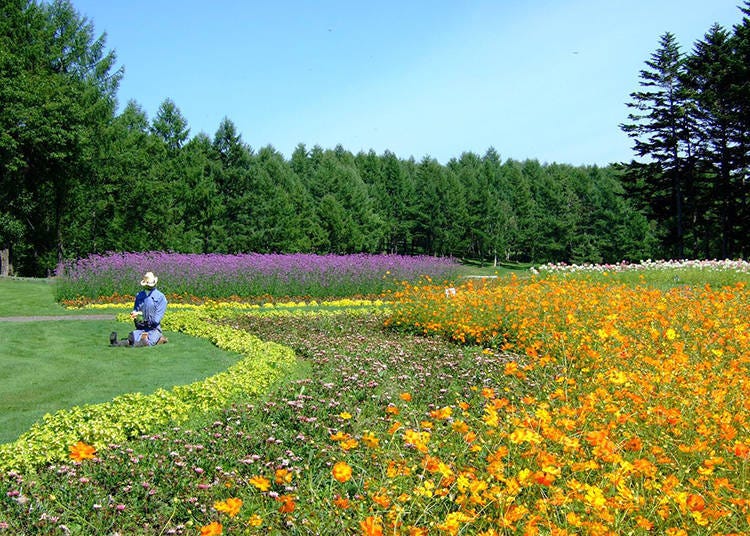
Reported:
(543, 406)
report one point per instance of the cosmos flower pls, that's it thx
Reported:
(341, 471)
(82, 451)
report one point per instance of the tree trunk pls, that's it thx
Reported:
(5, 269)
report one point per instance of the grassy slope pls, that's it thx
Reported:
(50, 365)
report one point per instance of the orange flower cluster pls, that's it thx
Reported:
(81, 451)
(619, 410)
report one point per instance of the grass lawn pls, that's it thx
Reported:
(51, 365)
(26, 297)
(485, 269)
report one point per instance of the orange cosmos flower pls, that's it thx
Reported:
(349, 444)
(543, 478)
(213, 529)
(392, 410)
(431, 463)
(342, 471)
(381, 499)
(634, 444)
(695, 503)
(287, 504)
(81, 451)
(231, 506)
(442, 413)
(260, 482)
(394, 427)
(341, 502)
(406, 397)
(741, 450)
(371, 526)
(460, 426)
(644, 523)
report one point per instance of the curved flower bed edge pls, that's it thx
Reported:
(131, 415)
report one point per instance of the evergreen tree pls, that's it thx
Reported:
(710, 78)
(233, 182)
(198, 192)
(740, 96)
(347, 213)
(442, 212)
(662, 131)
(170, 125)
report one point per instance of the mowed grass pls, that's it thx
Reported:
(48, 365)
(24, 297)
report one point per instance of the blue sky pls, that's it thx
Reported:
(544, 79)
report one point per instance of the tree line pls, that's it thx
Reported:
(77, 177)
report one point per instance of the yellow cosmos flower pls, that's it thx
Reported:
(230, 506)
(370, 440)
(260, 482)
(283, 476)
(342, 471)
(595, 497)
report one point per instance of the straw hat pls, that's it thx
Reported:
(149, 280)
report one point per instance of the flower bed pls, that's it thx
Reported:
(737, 266)
(246, 275)
(639, 415)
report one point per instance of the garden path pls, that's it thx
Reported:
(37, 318)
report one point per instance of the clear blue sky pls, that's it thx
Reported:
(544, 79)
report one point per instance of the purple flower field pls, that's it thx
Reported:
(246, 275)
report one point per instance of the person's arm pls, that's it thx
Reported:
(161, 308)
(136, 307)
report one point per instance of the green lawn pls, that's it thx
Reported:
(24, 297)
(485, 269)
(51, 365)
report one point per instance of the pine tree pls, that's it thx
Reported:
(662, 131)
(709, 78)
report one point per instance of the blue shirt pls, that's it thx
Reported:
(153, 304)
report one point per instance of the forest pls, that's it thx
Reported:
(78, 177)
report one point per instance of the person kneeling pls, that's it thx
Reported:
(148, 310)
